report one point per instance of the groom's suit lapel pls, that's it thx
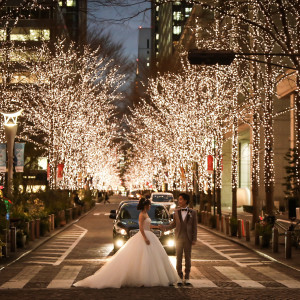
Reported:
(180, 216)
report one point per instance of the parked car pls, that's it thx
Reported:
(126, 224)
(166, 199)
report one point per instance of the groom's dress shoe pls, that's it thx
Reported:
(179, 282)
(187, 282)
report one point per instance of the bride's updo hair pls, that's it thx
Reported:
(142, 203)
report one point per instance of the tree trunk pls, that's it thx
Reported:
(234, 164)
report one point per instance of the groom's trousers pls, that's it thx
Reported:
(183, 245)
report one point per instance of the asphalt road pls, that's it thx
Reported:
(221, 269)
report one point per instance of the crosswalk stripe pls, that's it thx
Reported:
(65, 278)
(239, 278)
(202, 283)
(279, 277)
(22, 278)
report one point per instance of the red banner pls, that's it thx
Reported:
(48, 172)
(210, 164)
(60, 171)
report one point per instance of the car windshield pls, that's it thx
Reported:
(156, 213)
(162, 198)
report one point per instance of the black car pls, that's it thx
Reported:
(126, 224)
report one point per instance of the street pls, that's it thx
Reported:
(220, 268)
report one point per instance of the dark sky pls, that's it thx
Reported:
(125, 32)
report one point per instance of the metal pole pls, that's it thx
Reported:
(10, 134)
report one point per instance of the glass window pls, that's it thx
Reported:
(176, 29)
(42, 163)
(177, 15)
(162, 198)
(71, 3)
(26, 34)
(157, 36)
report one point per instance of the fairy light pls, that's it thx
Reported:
(66, 109)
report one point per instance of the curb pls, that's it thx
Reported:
(53, 234)
(248, 247)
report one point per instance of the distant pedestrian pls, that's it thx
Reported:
(106, 197)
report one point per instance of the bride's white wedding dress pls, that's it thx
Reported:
(135, 264)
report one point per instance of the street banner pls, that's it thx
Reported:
(3, 157)
(210, 164)
(48, 172)
(19, 157)
(60, 171)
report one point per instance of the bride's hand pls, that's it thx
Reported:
(147, 242)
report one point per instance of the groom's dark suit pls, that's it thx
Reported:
(185, 234)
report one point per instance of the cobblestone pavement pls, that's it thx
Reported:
(220, 268)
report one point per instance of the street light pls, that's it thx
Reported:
(10, 129)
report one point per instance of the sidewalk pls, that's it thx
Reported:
(32, 245)
(279, 257)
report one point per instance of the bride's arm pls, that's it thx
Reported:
(141, 225)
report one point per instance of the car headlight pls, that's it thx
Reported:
(170, 243)
(121, 231)
(173, 205)
(119, 243)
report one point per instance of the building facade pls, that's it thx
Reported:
(167, 23)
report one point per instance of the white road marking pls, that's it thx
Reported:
(202, 283)
(279, 277)
(22, 278)
(65, 278)
(241, 279)
(96, 214)
(59, 261)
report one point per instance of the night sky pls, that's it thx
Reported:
(125, 32)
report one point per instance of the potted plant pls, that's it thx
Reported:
(265, 235)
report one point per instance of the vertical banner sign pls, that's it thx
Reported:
(210, 164)
(3, 158)
(19, 157)
(60, 170)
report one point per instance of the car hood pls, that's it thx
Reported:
(134, 224)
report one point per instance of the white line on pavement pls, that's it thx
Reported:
(65, 278)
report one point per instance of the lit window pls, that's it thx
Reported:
(177, 3)
(2, 35)
(71, 3)
(39, 34)
(188, 9)
(157, 36)
(157, 8)
(148, 64)
(60, 3)
(26, 34)
(42, 163)
(177, 15)
(176, 29)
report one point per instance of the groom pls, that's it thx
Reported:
(185, 224)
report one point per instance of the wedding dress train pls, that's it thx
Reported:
(135, 264)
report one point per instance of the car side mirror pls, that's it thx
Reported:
(112, 216)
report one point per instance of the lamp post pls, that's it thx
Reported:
(10, 129)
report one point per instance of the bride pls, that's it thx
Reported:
(142, 261)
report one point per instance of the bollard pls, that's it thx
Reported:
(13, 239)
(288, 244)
(208, 218)
(32, 230)
(239, 229)
(247, 225)
(256, 232)
(52, 222)
(222, 224)
(37, 228)
(49, 223)
(227, 225)
(274, 240)
(217, 222)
